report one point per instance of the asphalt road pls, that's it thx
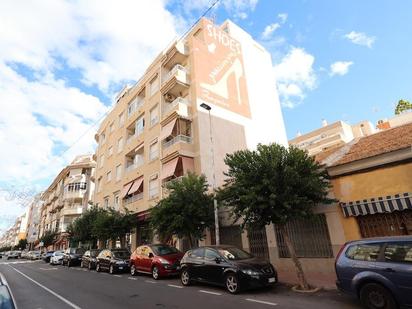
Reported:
(38, 285)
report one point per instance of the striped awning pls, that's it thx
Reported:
(372, 206)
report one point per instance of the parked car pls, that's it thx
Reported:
(12, 255)
(226, 266)
(158, 260)
(24, 254)
(34, 255)
(46, 256)
(72, 256)
(89, 259)
(6, 297)
(56, 258)
(114, 260)
(377, 270)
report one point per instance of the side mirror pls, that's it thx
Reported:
(151, 255)
(218, 260)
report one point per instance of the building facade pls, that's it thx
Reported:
(33, 221)
(159, 131)
(68, 196)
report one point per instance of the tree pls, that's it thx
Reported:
(186, 211)
(82, 228)
(48, 238)
(403, 105)
(273, 185)
(22, 244)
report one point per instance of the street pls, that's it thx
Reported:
(36, 284)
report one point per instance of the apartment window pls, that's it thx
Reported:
(118, 172)
(154, 150)
(110, 150)
(120, 145)
(116, 200)
(154, 85)
(109, 176)
(121, 119)
(99, 184)
(140, 125)
(131, 108)
(101, 161)
(111, 127)
(106, 202)
(102, 138)
(154, 115)
(154, 187)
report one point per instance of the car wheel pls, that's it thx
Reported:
(98, 269)
(111, 269)
(232, 283)
(375, 296)
(185, 277)
(133, 270)
(81, 264)
(155, 273)
(68, 263)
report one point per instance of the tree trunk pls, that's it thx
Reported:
(299, 271)
(190, 241)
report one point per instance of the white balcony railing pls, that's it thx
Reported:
(72, 211)
(177, 139)
(133, 198)
(169, 106)
(174, 71)
(135, 165)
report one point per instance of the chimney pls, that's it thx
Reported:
(324, 123)
(298, 134)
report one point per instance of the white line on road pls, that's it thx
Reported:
(118, 276)
(175, 286)
(261, 302)
(150, 281)
(52, 268)
(131, 278)
(209, 292)
(68, 302)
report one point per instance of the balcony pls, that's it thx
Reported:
(69, 211)
(133, 198)
(179, 105)
(177, 139)
(176, 54)
(176, 81)
(74, 194)
(136, 164)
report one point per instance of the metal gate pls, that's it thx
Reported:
(258, 243)
(388, 224)
(231, 235)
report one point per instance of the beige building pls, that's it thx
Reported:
(396, 121)
(68, 196)
(33, 220)
(158, 130)
(331, 135)
(14, 234)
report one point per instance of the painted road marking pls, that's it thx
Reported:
(118, 276)
(175, 286)
(261, 302)
(150, 281)
(52, 268)
(131, 278)
(210, 292)
(68, 302)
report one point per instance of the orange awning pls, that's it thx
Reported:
(137, 184)
(167, 129)
(169, 168)
(188, 165)
(126, 189)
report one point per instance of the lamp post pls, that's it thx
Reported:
(217, 235)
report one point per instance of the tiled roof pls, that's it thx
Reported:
(379, 143)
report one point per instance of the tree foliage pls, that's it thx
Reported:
(22, 244)
(403, 105)
(273, 185)
(186, 211)
(48, 238)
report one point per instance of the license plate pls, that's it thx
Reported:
(271, 280)
(121, 267)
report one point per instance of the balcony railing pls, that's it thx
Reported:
(169, 106)
(134, 165)
(173, 72)
(177, 139)
(133, 198)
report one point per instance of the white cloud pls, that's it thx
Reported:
(283, 17)
(295, 76)
(340, 67)
(360, 38)
(269, 30)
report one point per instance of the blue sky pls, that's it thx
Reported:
(62, 62)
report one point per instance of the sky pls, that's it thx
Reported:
(62, 63)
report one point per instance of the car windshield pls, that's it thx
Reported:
(164, 250)
(94, 253)
(121, 254)
(77, 251)
(235, 254)
(58, 253)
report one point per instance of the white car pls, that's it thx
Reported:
(56, 258)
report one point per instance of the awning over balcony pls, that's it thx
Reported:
(126, 189)
(143, 216)
(169, 168)
(167, 129)
(188, 164)
(136, 186)
(372, 206)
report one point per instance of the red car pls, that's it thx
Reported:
(158, 260)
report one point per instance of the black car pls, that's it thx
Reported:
(6, 297)
(72, 256)
(47, 255)
(226, 266)
(89, 259)
(114, 260)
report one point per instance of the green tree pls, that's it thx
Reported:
(273, 185)
(403, 105)
(186, 211)
(48, 238)
(82, 228)
(22, 244)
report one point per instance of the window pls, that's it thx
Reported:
(154, 115)
(121, 119)
(110, 151)
(77, 186)
(116, 200)
(99, 184)
(153, 188)
(106, 202)
(211, 254)
(131, 108)
(140, 125)
(197, 253)
(109, 176)
(102, 138)
(399, 252)
(154, 85)
(101, 161)
(154, 151)
(363, 252)
(111, 127)
(118, 172)
(120, 145)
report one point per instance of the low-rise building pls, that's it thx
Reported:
(398, 120)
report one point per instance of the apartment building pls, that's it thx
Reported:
(67, 197)
(396, 121)
(14, 234)
(33, 220)
(208, 94)
(331, 135)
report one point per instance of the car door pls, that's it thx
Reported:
(86, 258)
(359, 258)
(145, 260)
(396, 266)
(195, 260)
(104, 259)
(214, 266)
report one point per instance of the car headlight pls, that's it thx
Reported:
(250, 272)
(163, 261)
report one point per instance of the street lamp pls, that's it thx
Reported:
(217, 235)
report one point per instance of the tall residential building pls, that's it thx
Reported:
(158, 130)
(33, 221)
(68, 196)
(331, 135)
(14, 234)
